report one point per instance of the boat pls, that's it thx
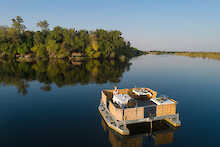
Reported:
(122, 107)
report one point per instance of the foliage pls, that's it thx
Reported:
(17, 24)
(62, 42)
(43, 25)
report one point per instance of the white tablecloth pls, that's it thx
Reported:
(142, 92)
(162, 102)
(121, 99)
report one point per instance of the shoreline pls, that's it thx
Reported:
(204, 55)
(31, 57)
(172, 52)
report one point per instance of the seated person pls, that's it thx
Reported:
(116, 92)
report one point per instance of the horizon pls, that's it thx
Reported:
(151, 25)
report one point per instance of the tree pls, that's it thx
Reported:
(52, 48)
(39, 38)
(62, 42)
(39, 50)
(56, 34)
(3, 33)
(43, 25)
(17, 24)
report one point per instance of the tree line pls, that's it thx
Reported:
(17, 41)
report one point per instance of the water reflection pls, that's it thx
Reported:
(161, 133)
(60, 72)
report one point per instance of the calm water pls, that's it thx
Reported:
(55, 104)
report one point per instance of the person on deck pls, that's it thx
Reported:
(115, 92)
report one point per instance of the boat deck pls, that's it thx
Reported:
(139, 109)
(120, 126)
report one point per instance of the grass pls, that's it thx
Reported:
(204, 55)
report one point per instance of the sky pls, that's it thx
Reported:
(148, 24)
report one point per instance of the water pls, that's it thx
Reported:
(55, 104)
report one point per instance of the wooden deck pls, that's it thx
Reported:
(119, 127)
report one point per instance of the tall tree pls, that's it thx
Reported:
(17, 24)
(43, 25)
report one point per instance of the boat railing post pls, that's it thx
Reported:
(125, 125)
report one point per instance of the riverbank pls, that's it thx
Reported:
(75, 57)
(209, 55)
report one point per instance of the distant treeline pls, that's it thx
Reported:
(204, 55)
(16, 41)
(60, 72)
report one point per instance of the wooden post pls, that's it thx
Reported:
(125, 125)
(151, 127)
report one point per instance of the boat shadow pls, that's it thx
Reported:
(141, 134)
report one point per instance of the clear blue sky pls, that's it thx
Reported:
(148, 24)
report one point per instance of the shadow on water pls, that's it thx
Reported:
(61, 73)
(141, 134)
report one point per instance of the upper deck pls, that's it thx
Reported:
(138, 107)
(136, 100)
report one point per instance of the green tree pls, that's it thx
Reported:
(39, 38)
(62, 42)
(43, 25)
(52, 48)
(40, 51)
(17, 24)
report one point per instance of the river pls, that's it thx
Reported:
(55, 103)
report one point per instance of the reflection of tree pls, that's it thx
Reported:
(61, 73)
(46, 87)
(22, 87)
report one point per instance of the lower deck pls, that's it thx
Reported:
(121, 126)
(161, 133)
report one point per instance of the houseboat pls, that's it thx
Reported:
(122, 107)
